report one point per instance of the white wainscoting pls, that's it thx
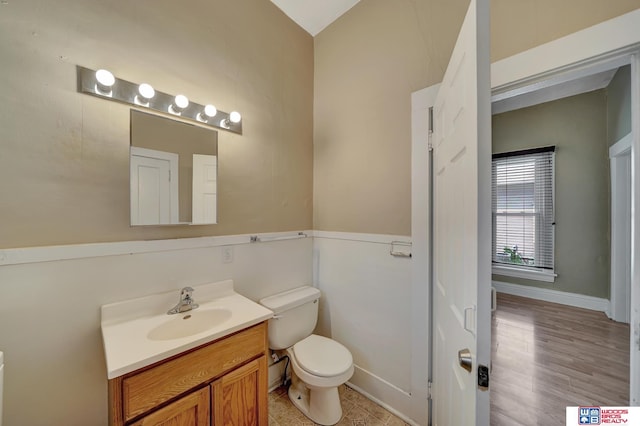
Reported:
(366, 305)
(50, 302)
(555, 296)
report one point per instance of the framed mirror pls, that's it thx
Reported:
(173, 172)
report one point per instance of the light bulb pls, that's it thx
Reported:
(181, 101)
(235, 117)
(104, 81)
(105, 78)
(146, 91)
(210, 111)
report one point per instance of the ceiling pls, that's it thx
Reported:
(314, 15)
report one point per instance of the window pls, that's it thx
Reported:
(523, 213)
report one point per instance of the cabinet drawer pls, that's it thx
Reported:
(152, 387)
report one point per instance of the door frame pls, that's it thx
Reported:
(605, 46)
(620, 167)
(608, 44)
(197, 202)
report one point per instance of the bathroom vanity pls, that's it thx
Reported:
(216, 376)
(223, 382)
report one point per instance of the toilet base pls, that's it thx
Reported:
(322, 405)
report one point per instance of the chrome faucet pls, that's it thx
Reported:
(186, 302)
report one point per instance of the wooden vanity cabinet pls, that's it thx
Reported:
(193, 409)
(220, 383)
(239, 398)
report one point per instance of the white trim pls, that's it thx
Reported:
(620, 173)
(621, 147)
(551, 90)
(554, 296)
(17, 256)
(421, 101)
(529, 274)
(382, 392)
(367, 238)
(607, 38)
(634, 337)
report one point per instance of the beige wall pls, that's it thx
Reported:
(369, 62)
(64, 156)
(577, 126)
(64, 166)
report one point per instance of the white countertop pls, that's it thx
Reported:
(126, 325)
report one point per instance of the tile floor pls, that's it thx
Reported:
(357, 410)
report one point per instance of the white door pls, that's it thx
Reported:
(204, 189)
(154, 187)
(462, 228)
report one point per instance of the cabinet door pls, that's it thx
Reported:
(240, 397)
(190, 410)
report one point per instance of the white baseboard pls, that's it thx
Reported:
(383, 393)
(555, 296)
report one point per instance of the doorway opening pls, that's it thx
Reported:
(593, 168)
(606, 46)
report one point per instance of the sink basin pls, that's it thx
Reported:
(138, 332)
(189, 323)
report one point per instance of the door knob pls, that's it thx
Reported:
(464, 357)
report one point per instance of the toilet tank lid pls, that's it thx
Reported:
(290, 299)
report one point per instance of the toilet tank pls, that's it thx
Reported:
(296, 315)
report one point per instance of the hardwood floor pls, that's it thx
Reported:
(548, 356)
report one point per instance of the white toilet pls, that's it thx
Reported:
(319, 365)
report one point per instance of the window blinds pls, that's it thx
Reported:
(523, 212)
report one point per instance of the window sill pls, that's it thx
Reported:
(529, 274)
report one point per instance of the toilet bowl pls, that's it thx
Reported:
(319, 364)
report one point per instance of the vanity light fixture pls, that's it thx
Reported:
(103, 84)
(104, 81)
(208, 112)
(145, 93)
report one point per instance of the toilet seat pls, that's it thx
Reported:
(322, 356)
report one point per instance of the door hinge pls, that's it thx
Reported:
(430, 120)
(429, 385)
(429, 144)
